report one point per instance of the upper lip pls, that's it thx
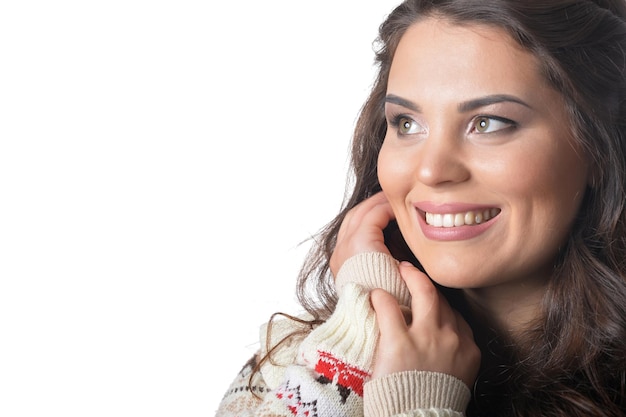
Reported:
(446, 208)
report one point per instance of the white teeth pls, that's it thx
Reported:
(434, 219)
(460, 219)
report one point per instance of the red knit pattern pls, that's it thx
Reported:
(346, 375)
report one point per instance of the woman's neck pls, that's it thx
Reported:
(509, 308)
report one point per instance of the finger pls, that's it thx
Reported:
(374, 199)
(380, 214)
(463, 326)
(361, 231)
(426, 301)
(375, 211)
(366, 205)
(388, 313)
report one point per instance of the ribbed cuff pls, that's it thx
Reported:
(350, 334)
(374, 270)
(402, 392)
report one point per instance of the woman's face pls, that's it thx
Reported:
(478, 162)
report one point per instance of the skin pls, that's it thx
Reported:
(471, 123)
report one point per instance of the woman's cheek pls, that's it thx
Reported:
(393, 175)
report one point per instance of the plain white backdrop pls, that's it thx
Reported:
(160, 164)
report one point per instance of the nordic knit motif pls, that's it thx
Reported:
(327, 373)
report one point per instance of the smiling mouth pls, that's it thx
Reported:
(468, 218)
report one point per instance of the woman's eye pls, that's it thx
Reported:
(408, 126)
(484, 124)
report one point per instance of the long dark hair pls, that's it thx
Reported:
(572, 361)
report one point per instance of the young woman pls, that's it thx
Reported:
(479, 265)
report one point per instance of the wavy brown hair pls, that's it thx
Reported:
(572, 360)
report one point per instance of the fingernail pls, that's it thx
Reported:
(406, 263)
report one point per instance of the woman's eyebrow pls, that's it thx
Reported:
(392, 98)
(463, 107)
(488, 100)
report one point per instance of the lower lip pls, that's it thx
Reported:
(454, 233)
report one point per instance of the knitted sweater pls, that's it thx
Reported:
(326, 372)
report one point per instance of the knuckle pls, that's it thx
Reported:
(452, 342)
(475, 354)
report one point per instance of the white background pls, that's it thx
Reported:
(160, 162)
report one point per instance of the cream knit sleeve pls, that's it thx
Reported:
(374, 270)
(340, 353)
(416, 394)
(328, 372)
(403, 394)
(323, 376)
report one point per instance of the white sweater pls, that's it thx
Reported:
(326, 371)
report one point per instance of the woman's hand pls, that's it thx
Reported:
(432, 337)
(362, 230)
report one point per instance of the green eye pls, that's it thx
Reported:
(407, 126)
(484, 124)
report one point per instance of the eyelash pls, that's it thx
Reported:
(510, 123)
(394, 121)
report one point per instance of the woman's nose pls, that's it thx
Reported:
(441, 160)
